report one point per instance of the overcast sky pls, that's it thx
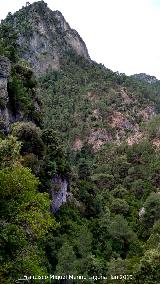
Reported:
(122, 34)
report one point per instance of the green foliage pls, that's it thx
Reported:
(83, 169)
(56, 159)
(8, 41)
(99, 231)
(30, 135)
(16, 180)
(116, 267)
(119, 229)
(148, 271)
(31, 260)
(152, 209)
(9, 151)
(26, 75)
(119, 192)
(83, 96)
(153, 127)
(25, 217)
(119, 206)
(22, 93)
(66, 261)
(31, 161)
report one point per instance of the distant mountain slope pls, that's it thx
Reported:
(90, 104)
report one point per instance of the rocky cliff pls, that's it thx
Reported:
(5, 69)
(44, 37)
(144, 77)
(18, 95)
(58, 192)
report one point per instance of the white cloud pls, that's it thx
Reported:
(121, 34)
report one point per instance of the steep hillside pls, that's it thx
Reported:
(44, 36)
(95, 105)
(79, 160)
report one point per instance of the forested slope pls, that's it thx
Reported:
(79, 159)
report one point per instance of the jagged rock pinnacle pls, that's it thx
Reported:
(45, 37)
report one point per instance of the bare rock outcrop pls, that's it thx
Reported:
(45, 37)
(58, 192)
(5, 69)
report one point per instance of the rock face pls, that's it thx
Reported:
(58, 192)
(142, 212)
(44, 37)
(146, 78)
(5, 68)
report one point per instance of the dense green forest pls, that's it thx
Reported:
(110, 225)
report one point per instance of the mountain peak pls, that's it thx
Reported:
(45, 37)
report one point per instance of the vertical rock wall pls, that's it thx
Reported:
(5, 69)
(58, 192)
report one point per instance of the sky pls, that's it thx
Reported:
(121, 34)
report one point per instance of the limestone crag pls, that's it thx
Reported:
(58, 192)
(5, 69)
(44, 37)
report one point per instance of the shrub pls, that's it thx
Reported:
(30, 135)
